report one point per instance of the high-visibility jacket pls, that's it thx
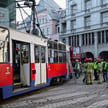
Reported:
(95, 65)
(89, 67)
(77, 65)
(102, 64)
(105, 66)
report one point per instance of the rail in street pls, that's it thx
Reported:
(68, 95)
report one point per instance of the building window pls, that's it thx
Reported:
(73, 24)
(87, 21)
(64, 27)
(104, 17)
(102, 36)
(92, 38)
(70, 40)
(99, 38)
(89, 39)
(107, 36)
(104, 2)
(83, 39)
(88, 4)
(43, 31)
(75, 40)
(40, 21)
(86, 39)
(73, 9)
(47, 31)
(58, 30)
(46, 20)
(78, 40)
(64, 40)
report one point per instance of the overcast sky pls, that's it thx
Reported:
(61, 3)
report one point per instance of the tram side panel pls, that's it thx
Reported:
(6, 80)
(56, 70)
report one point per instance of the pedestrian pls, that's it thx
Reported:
(107, 72)
(95, 70)
(77, 69)
(104, 67)
(99, 70)
(90, 72)
(85, 70)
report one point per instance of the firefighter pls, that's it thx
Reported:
(99, 69)
(77, 69)
(90, 72)
(85, 70)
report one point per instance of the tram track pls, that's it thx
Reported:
(60, 96)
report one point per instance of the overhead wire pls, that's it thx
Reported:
(22, 16)
(38, 25)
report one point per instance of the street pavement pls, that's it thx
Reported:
(71, 94)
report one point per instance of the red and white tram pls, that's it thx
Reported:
(29, 62)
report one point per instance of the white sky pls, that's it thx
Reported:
(61, 3)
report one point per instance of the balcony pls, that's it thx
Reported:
(87, 27)
(73, 14)
(63, 31)
(73, 31)
(104, 5)
(105, 24)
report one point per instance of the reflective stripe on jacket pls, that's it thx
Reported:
(89, 67)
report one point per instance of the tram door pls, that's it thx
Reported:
(21, 64)
(40, 65)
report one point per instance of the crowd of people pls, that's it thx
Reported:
(93, 70)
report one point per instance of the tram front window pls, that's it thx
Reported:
(4, 45)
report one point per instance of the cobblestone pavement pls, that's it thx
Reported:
(71, 94)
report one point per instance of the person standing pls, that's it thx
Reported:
(90, 72)
(99, 69)
(77, 69)
(95, 70)
(85, 70)
(104, 71)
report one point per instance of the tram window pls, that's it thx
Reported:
(25, 53)
(43, 54)
(60, 46)
(55, 45)
(64, 57)
(51, 56)
(50, 44)
(36, 54)
(60, 57)
(63, 47)
(4, 45)
(55, 56)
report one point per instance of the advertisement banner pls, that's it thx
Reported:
(4, 17)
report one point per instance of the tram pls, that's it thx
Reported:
(29, 62)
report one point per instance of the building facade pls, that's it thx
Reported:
(8, 13)
(86, 25)
(47, 18)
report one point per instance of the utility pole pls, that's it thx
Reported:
(32, 4)
(33, 10)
